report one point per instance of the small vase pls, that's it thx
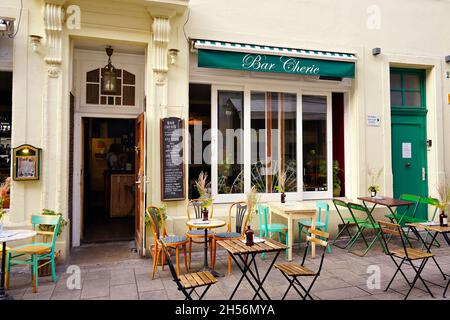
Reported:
(373, 194)
(249, 237)
(283, 197)
(205, 214)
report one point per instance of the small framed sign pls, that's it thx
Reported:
(26, 163)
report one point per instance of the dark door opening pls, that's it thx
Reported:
(108, 180)
(337, 104)
(6, 81)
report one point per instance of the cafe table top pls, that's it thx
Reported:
(386, 201)
(201, 224)
(237, 247)
(428, 227)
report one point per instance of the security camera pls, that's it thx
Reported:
(6, 26)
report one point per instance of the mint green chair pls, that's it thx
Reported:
(30, 254)
(321, 223)
(267, 229)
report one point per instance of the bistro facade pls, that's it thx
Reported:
(329, 95)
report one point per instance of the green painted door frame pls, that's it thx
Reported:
(409, 141)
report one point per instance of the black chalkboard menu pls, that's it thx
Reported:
(172, 166)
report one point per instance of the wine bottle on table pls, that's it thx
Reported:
(443, 219)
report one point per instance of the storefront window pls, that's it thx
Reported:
(273, 140)
(5, 124)
(230, 115)
(315, 163)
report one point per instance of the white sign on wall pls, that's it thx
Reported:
(373, 121)
(406, 150)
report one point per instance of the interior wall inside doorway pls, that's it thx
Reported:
(337, 101)
(109, 179)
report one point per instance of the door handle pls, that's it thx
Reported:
(424, 174)
(408, 164)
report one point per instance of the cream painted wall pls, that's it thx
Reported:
(411, 32)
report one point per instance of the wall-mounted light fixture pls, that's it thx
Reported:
(7, 27)
(35, 41)
(376, 51)
(447, 58)
(109, 78)
(173, 54)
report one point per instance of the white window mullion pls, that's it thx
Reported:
(247, 139)
(299, 146)
(214, 128)
(329, 146)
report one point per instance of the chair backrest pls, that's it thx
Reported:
(154, 216)
(241, 216)
(391, 229)
(321, 207)
(429, 201)
(354, 208)
(342, 204)
(47, 220)
(173, 272)
(195, 206)
(413, 198)
(262, 210)
(321, 239)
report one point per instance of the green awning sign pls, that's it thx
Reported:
(275, 63)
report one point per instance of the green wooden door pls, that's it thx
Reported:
(409, 134)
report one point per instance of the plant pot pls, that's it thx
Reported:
(6, 202)
(283, 197)
(337, 191)
(373, 194)
(249, 237)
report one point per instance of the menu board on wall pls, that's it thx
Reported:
(172, 166)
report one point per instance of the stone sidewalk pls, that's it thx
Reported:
(114, 271)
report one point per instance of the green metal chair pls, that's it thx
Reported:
(429, 201)
(367, 224)
(321, 222)
(35, 252)
(347, 222)
(267, 229)
(405, 215)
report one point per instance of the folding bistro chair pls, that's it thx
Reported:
(292, 271)
(404, 254)
(189, 282)
(429, 201)
(323, 214)
(347, 223)
(406, 215)
(267, 229)
(366, 224)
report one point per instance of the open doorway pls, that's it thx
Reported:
(6, 81)
(108, 179)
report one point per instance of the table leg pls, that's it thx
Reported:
(290, 237)
(313, 244)
(3, 295)
(205, 248)
(244, 271)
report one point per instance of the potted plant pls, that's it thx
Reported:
(5, 192)
(46, 270)
(374, 187)
(203, 189)
(281, 186)
(444, 201)
(252, 200)
(336, 180)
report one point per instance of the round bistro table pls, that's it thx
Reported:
(206, 225)
(7, 236)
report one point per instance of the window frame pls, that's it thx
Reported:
(402, 72)
(247, 90)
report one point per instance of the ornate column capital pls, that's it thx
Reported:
(53, 25)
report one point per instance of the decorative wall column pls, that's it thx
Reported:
(53, 134)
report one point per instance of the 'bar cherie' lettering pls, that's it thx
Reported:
(257, 62)
(293, 65)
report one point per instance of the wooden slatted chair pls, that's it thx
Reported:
(188, 283)
(197, 235)
(159, 233)
(404, 254)
(241, 224)
(34, 253)
(292, 271)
